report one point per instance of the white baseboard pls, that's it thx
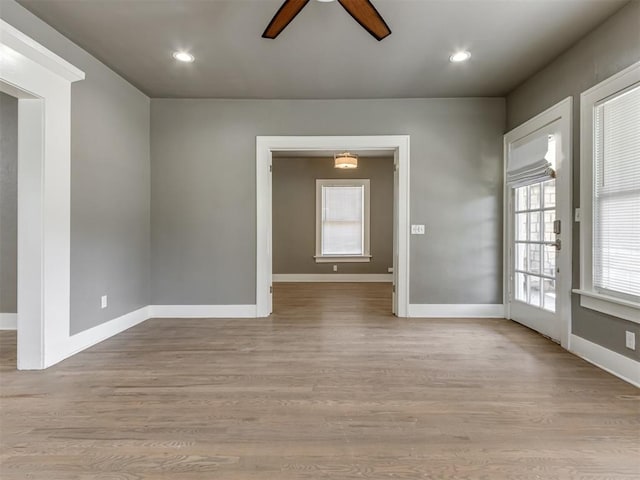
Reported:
(8, 321)
(202, 311)
(622, 367)
(88, 338)
(452, 310)
(332, 277)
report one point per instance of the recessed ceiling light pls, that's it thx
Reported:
(183, 57)
(461, 56)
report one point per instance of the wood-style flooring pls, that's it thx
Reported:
(330, 387)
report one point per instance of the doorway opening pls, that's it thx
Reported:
(8, 224)
(333, 231)
(393, 146)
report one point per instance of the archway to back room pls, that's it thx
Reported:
(320, 262)
(332, 231)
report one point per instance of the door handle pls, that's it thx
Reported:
(557, 244)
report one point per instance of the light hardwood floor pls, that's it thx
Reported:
(330, 387)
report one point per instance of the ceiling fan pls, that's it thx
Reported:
(362, 11)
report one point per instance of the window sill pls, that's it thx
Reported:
(616, 307)
(343, 259)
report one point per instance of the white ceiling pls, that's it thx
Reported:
(324, 53)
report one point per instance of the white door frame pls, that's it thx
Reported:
(562, 113)
(399, 144)
(42, 82)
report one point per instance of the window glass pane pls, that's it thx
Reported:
(534, 258)
(549, 299)
(549, 189)
(534, 196)
(521, 198)
(534, 226)
(521, 287)
(535, 294)
(521, 226)
(549, 261)
(342, 220)
(549, 218)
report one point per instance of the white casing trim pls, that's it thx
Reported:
(88, 338)
(589, 99)
(452, 310)
(622, 367)
(333, 277)
(41, 80)
(202, 311)
(8, 321)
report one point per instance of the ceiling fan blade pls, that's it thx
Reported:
(366, 15)
(282, 18)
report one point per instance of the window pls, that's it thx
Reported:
(610, 183)
(342, 221)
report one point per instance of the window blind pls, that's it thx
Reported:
(616, 201)
(531, 162)
(342, 220)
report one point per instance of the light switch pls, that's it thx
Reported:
(417, 229)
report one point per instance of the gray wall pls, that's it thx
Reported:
(110, 182)
(203, 190)
(294, 213)
(8, 203)
(610, 48)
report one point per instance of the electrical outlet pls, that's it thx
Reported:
(335, 268)
(417, 229)
(103, 301)
(630, 340)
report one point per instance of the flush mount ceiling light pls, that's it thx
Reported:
(345, 160)
(461, 56)
(183, 57)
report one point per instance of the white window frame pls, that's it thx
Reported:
(590, 99)
(366, 255)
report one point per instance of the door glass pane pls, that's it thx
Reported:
(521, 256)
(534, 226)
(521, 199)
(534, 290)
(549, 193)
(534, 196)
(521, 287)
(534, 258)
(549, 218)
(521, 226)
(549, 261)
(549, 294)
